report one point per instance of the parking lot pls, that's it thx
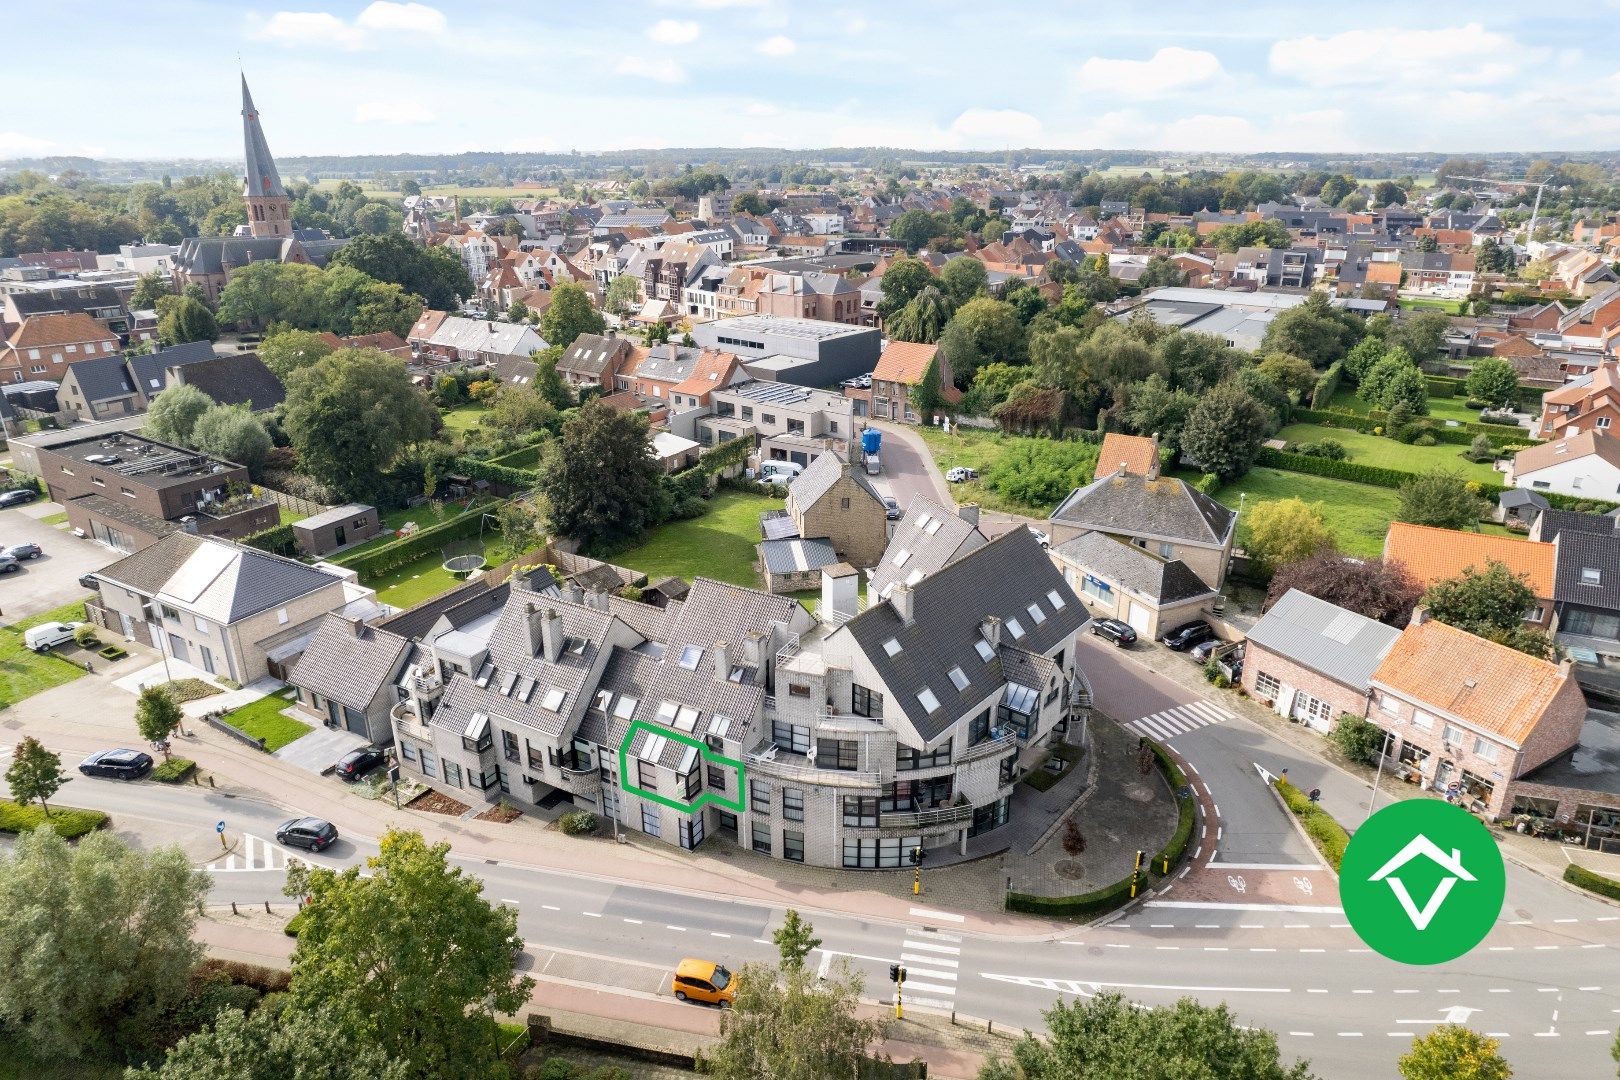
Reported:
(52, 579)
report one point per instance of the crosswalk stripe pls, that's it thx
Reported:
(943, 961)
(929, 946)
(1213, 714)
(932, 988)
(1177, 720)
(928, 974)
(1158, 728)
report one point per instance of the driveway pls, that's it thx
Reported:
(52, 579)
(908, 468)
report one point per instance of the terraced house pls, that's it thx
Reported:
(860, 734)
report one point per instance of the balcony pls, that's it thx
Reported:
(580, 781)
(405, 713)
(1001, 742)
(926, 819)
(784, 766)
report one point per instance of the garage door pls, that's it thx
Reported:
(1139, 617)
(1317, 714)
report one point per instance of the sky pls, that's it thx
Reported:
(158, 79)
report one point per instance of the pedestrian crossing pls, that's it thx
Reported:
(254, 853)
(1179, 720)
(932, 961)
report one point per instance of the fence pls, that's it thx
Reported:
(294, 503)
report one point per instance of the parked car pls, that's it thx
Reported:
(961, 473)
(47, 636)
(1040, 537)
(118, 764)
(310, 833)
(17, 496)
(1187, 635)
(891, 508)
(704, 980)
(8, 565)
(1205, 650)
(356, 763)
(1121, 634)
(23, 552)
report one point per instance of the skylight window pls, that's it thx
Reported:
(1016, 627)
(653, 747)
(526, 690)
(667, 711)
(926, 698)
(932, 527)
(922, 522)
(1036, 613)
(900, 557)
(626, 706)
(1055, 600)
(508, 683)
(485, 673)
(691, 656)
(986, 651)
(687, 718)
(959, 678)
(553, 701)
(892, 647)
(1590, 576)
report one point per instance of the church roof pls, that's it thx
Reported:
(261, 177)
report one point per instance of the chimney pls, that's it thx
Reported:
(533, 624)
(753, 655)
(1153, 466)
(900, 598)
(359, 628)
(969, 512)
(1420, 615)
(722, 661)
(551, 634)
(573, 593)
(991, 629)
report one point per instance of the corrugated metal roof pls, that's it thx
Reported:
(1343, 645)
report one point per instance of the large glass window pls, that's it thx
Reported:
(793, 803)
(1266, 685)
(791, 737)
(650, 823)
(860, 811)
(759, 796)
(1591, 624)
(979, 728)
(647, 775)
(838, 754)
(509, 746)
(762, 837)
(452, 774)
(991, 816)
(879, 853)
(793, 846)
(864, 702)
(907, 759)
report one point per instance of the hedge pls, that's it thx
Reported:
(723, 456)
(368, 562)
(491, 473)
(277, 540)
(174, 770)
(1461, 435)
(1327, 384)
(70, 822)
(1327, 834)
(524, 457)
(1375, 475)
(1597, 883)
(1450, 386)
(1092, 903)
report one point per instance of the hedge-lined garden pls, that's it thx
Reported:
(68, 821)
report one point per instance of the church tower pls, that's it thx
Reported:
(268, 207)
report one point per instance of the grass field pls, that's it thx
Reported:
(54, 519)
(1357, 515)
(718, 545)
(977, 449)
(1431, 303)
(463, 418)
(23, 672)
(266, 719)
(426, 577)
(1452, 408)
(1389, 454)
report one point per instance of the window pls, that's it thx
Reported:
(907, 759)
(992, 816)
(201, 624)
(1484, 749)
(793, 804)
(762, 837)
(692, 783)
(986, 651)
(1166, 550)
(452, 774)
(691, 656)
(1056, 600)
(1036, 613)
(647, 775)
(791, 737)
(1016, 628)
(1603, 423)
(759, 797)
(979, 728)
(861, 811)
(1266, 685)
(958, 678)
(1421, 720)
(892, 646)
(1590, 576)
(429, 764)
(864, 702)
(842, 754)
(1388, 704)
(407, 751)
(650, 823)
(843, 504)
(926, 698)
(881, 853)
(798, 690)
(717, 778)
(793, 846)
(509, 747)
(281, 616)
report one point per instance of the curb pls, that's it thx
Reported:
(1299, 827)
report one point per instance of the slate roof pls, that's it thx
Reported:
(651, 681)
(1582, 551)
(215, 578)
(147, 569)
(1167, 581)
(465, 602)
(261, 177)
(348, 661)
(1003, 579)
(715, 611)
(590, 354)
(150, 366)
(1165, 507)
(796, 556)
(1345, 646)
(933, 536)
(242, 379)
(73, 296)
(486, 335)
(809, 486)
(102, 378)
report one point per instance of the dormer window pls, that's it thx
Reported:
(691, 656)
(1590, 576)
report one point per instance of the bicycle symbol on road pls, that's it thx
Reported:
(1304, 885)
(1237, 882)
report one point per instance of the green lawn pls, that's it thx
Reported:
(1450, 307)
(290, 516)
(434, 512)
(1389, 454)
(718, 545)
(1356, 514)
(1452, 408)
(54, 519)
(426, 577)
(463, 418)
(266, 719)
(24, 673)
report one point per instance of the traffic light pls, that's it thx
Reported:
(894, 973)
(917, 856)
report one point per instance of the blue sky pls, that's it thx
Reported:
(375, 77)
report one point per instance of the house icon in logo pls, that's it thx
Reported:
(1451, 864)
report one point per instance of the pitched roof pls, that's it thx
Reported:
(809, 486)
(1343, 645)
(1164, 507)
(240, 379)
(1136, 454)
(715, 611)
(1438, 554)
(348, 661)
(215, 578)
(932, 537)
(102, 378)
(39, 331)
(1489, 686)
(712, 371)
(261, 177)
(590, 354)
(151, 370)
(1586, 444)
(1168, 581)
(904, 362)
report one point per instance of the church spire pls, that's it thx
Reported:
(269, 208)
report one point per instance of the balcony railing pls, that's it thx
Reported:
(788, 769)
(405, 713)
(923, 819)
(581, 781)
(1002, 741)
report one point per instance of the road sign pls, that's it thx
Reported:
(220, 827)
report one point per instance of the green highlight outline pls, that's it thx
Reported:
(705, 754)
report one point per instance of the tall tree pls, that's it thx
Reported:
(621, 295)
(1224, 431)
(182, 319)
(1314, 330)
(409, 961)
(1282, 531)
(601, 483)
(900, 283)
(519, 411)
(1442, 498)
(922, 320)
(174, 413)
(35, 773)
(570, 315)
(1454, 1052)
(1293, 376)
(963, 278)
(915, 228)
(350, 415)
(1107, 1036)
(289, 350)
(96, 948)
(1494, 382)
(548, 381)
(1395, 381)
(788, 1024)
(1492, 604)
(234, 433)
(157, 715)
(1155, 409)
(1198, 361)
(273, 1042)
(1421, 333)
(432, 273)
(1379, 590)
(982, 331)
(149, 289)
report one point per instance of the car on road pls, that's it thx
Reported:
(309, 833)
(23, 552)
(1187, 635)
(8, 565)
(356, 763)
(1119, 633)
(121, 764)
(705, 981)
(961, 473)
(47, 636)
(891, 508)
(17, 496)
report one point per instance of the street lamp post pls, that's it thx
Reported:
(1383, 752)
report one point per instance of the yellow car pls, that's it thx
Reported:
(705, 981)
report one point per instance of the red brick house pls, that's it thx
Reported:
(902, 366)
(44, 345)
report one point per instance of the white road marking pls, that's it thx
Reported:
(1075, 985)
(551, 907)
(1205, 905)
(716, 933)
(943, 961)
(927, 913)
(633, 922)
(514, 903)
(677, 929)
(929, 946)
(933, 988)
(591, 914)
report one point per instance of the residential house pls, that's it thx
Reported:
(477, 251)
(1313, 661)
(900, 369)
(791, 423)
(1586, 584)
(232, 379)
(795, 564)
(823, 296)
(806, 352)
(932, 538)
(234, 611)
(834, 501)
(72, 297)
(1120, 580)
(1136, 455)
(595, 360)
(482, 341)
(1438, 273)
(44, 345)
(348, 676)
(1468, 717)
(1590, 403)
(117, 385)
(1165, 517)
(1586, 465)
(1433, 555)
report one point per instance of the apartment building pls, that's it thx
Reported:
(792, 423)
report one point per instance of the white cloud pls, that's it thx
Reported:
(661, 70)
(674, 31)
(16, 144)
(762, 108)
(1171, 70)
(713, 5)
(996, 127)
(778, 45)
(393, 112)
(416, 18)
(1459, 56)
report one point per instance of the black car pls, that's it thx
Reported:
(1187, 635)
(117, 764)
(8, 565)
(356, 763)
(310, 833)
(23, 551)
(1119, 633)
(17, 496)
(891, 508)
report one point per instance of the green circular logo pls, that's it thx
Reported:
(1422, 881)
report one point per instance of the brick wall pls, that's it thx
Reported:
(1258, 661)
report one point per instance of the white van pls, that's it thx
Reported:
(780, 472)
(47, 636)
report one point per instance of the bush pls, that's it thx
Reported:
(85, 636)
(1208, 483)
(1040, 472)
(71, 823)
(277, 540)
(1331, 449)
(1357, 738)
(1328, 835)
(111, 652)
(266, 980)
(174, 770)
(295, 924)
(1597, 883)
(1171, 853)
(578, 822)
(1092, 903)
(1425, 438)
